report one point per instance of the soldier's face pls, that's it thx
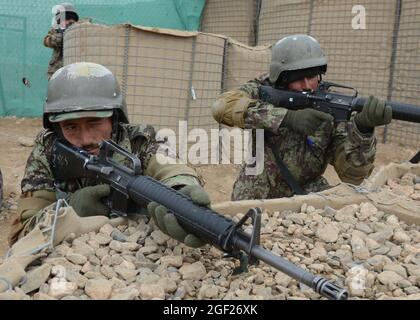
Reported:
(305, 84)
(69, 22)
(87, 133)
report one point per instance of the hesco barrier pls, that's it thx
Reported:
(371, 190)
(371, 45)
(168, 76)
(233, 18)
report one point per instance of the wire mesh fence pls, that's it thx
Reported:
(371, 45)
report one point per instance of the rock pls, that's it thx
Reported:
(42, 296)
(59, 288)
(148, 250)
(108, 272)
(117, 235)
(382, 236)
(381, 250)
(317, 267)
(394, 250)
(130, 295)
(123, 246)
(349, 210)
(87, 267)
(360, 251)
(82, 248)
(392, 220)
(106, 229)
(180, 293)
(366, 210)
(412, 269)
(136, 236)
(76, 258)
(147, 277)
(102, 238)
(172, 261)
(167, 284)
(310, 209)
(329, 212)
(151, 291)
(345, 217)
(297, 218)
(282, 279)
(401, 237)
(328, 233)
(372, 244)
(36, 277)
(10, 295)
(208, 292)
(396, 268)
(159, 237)
(361, 226)
(26, 142)
(404, 283)
(99, 289)
(127, 274)
(412, 290)
(195, 271)
(389, 278)
(76, 278)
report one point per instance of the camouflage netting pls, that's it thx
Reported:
(372, 252)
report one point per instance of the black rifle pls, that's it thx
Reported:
(203, 222)
(339, 105)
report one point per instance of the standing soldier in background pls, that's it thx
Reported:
(299, 144)
(65, 16)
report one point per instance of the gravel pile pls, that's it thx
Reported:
(408, 185)
(375, 255)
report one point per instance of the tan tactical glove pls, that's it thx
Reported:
(167, 221)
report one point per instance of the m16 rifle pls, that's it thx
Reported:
(128, 184)
(339, 105)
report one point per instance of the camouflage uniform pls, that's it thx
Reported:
(346, 148)
(54, 40)
(137, 139)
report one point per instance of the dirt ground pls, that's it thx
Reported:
(218, 179)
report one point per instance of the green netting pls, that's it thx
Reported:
(23, 25)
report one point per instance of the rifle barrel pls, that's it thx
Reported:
(320, 285)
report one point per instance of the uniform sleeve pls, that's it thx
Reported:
(163, 165)
(37, 185)
(352, 153)
(243, 108)
(38, 174)
(53, 39)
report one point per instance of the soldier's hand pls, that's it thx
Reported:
(305, 121)
(87, 201)
(57, 39)
(168, 223)
(375, 113)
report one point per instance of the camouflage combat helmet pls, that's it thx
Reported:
(83, 89)
(293, 53)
